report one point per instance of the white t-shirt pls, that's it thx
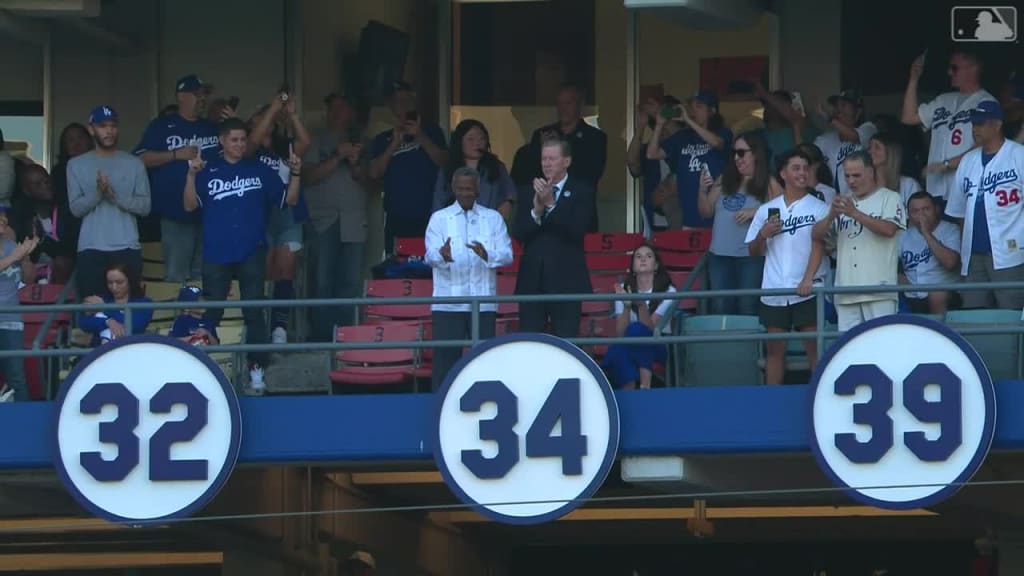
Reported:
(864, 258)
(828, 193)
(908, 187)
(661, 310)
(1002, 183)
(787, 253)
(949, 118)
(835, 151)
(919, 264)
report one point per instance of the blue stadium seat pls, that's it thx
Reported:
(1001, 352)
(720, 363)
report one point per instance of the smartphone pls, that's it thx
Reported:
(284, 90)
(774, 214)
(412, 116)
(233, 102)
(798, 104)
(670, 112)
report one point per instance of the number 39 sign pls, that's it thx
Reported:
(146, 428)
(527, 428)
(902, 411)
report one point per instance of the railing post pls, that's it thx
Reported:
(128, 319)
(819, 303)
(474, 321)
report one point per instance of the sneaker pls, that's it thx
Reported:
(279, 336)
(7, 395)
(256, 384)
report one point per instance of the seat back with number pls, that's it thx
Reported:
(680, 261)
(611, 242)
(693, 240)
(410, 247)
(1001, 352)
(679, 279)
(721, 363)
(388, 332)
(397, 288)
(608, 263)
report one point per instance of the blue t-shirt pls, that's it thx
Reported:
(300, 212)
(690, 153)
(981, 242)
(167, 182)
(186, 325)
(235, 199)
(411, 175)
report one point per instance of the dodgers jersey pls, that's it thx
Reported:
(835, 152)
(167, 182)
(920, 266)
(689, 153)
(1001, 184)
(300, 212)
(235, 199)
(864, 258)
(949, 118)
(788, 252)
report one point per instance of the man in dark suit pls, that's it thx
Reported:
(551, 220)
(589, 144)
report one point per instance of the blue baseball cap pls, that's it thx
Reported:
(985, 111)
(102, 114)
(191, 83)
(189, 294)
(708, 97)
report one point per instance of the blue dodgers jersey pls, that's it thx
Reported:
(167, 182)
(300, 212)
(411, 175)
(235, 199)
(688, 152)
(186, 325)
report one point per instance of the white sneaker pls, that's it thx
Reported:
(7, 395)
(256, 384)
(279, 336)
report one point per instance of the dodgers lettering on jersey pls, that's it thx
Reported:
(836, 151)
(949, 118)
(167, 182)
(1001, 187)
(411, 174)
(300, 212)
(689, 153)
(919, 264)
(235, 200)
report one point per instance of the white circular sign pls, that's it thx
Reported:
(902, 412)
(527, 428)
(147, 428)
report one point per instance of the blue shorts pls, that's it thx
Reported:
(283, 230)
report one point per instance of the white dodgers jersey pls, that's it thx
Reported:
(949, 118)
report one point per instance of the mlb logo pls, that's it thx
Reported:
(984, 24)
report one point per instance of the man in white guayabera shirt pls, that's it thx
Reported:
(466, 244)
(781, 231)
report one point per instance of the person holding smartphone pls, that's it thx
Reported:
(653, 172)
(408, 158)
(782, 232)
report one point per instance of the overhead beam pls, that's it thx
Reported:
(57, 525)
(396, 478)
(23, 29)
(99, 560)
(677, 514)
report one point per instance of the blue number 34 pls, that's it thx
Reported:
(563, 404)
(946, 412)
(121, 432)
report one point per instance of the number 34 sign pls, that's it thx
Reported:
(903, 412)
(146, 428)
(527, 428)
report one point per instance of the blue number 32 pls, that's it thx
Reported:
(562, 405)
(946, 412)
(121, 432)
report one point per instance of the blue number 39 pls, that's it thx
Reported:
(946, 412)
(121, 432)
(563, 404)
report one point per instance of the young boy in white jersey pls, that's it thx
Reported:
(781, 232)
(865, 226)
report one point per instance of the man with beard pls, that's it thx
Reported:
(108, 189)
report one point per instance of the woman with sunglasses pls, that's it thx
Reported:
(731, 202)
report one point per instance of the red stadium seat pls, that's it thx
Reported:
(612, 242)
(517, 247)
(685, 261)
(511, 269)
(679, 279)
(604, 283)
(693, 240)
(376, 367)
(506, 326)
(595, 327)
(608, 263)
(506, 287)
(410, 247)
(397, 288)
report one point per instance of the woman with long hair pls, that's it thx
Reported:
(629, 365)
(75, 140)
(731, 202)
(269, 141)
(697, 149)
(819, 175)
(123, 286)
(886, 153)
(471, 146)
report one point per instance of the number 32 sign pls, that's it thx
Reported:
(903, 412)
(527, 428)
(146, 428)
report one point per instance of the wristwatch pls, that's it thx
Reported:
(946, 165)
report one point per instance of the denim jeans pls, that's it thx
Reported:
(338, 274)
(14, 368)
(182, 244)
(251, 275)
(735, 273)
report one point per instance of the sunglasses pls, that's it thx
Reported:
(740, 152)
